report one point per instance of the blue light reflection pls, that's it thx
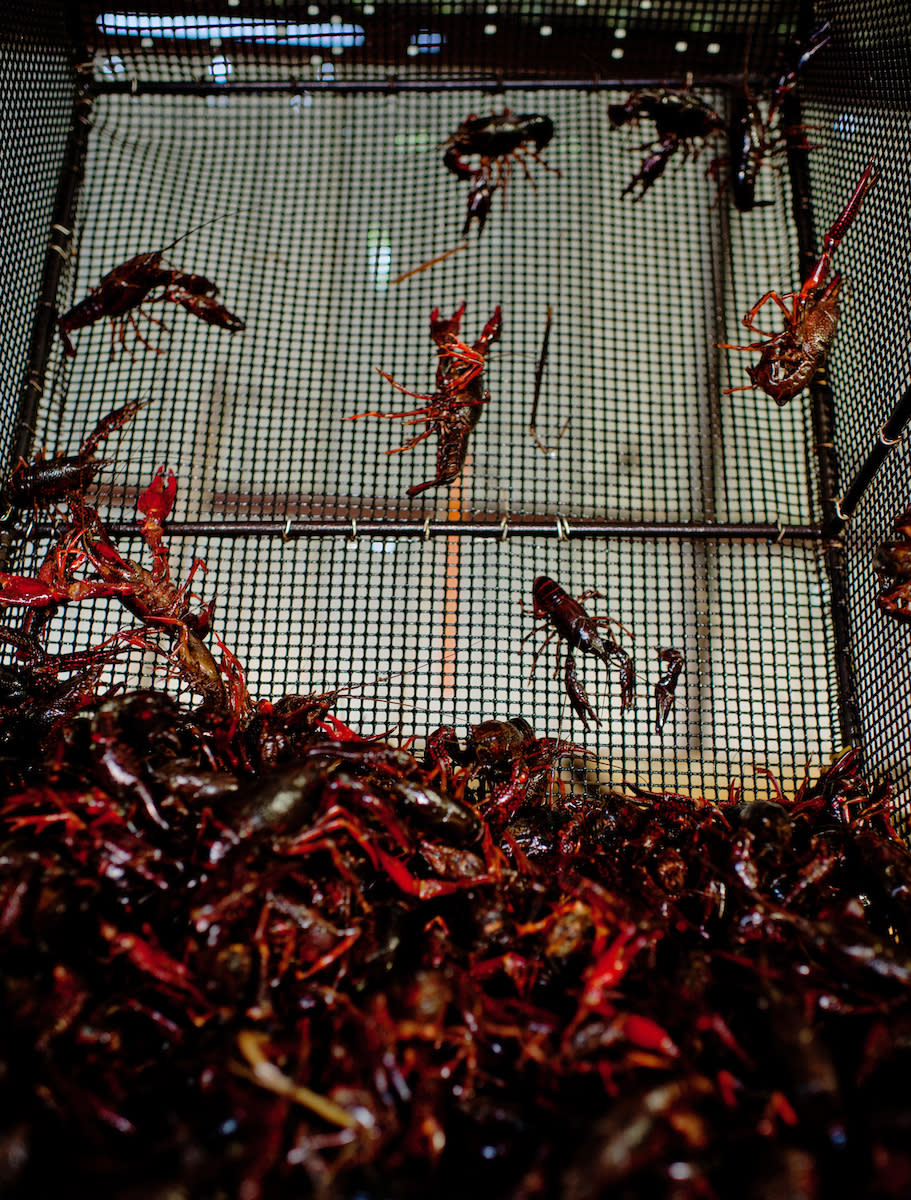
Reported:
(243, 29)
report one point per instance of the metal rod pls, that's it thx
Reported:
(823, 433)
(392, 84)
(45, 322)
(889, 435)
(512, 527)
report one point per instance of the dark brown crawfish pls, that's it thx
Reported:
(666, 685)
(455, 407)
(128, 286)
(571, 623)
(515, 766)
(497, 139)
(752, 140)
(43, 481)
(682, 122)
(789, 359)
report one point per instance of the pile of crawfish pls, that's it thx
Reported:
(250, 953)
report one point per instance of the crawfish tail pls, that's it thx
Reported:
(451, 454)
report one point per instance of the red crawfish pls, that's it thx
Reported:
(514, 765)
(682, 122)
(892, 563)
(497, 139)
(455, 407)
(789, 359)
(666, 685)
(128, 286)
(45, 480)
(572, 624)
(154, 597)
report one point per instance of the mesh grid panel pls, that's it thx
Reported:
(324, 196)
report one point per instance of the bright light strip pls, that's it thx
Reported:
(427, 42)
(243, 29)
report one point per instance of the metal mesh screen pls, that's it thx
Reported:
(695, 513)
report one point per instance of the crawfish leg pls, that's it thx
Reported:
(412, 442)
(541, 648)
(122, 322)
(749, 321)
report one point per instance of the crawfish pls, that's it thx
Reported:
(45, 480)
(666, 685)
(497, 139)
(128, 286)
(751, 139)
(152, 596)
(572, 624)
(682, 122)
(789, 359)
(516, 766)
(454, 408)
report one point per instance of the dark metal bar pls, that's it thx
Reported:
(888, 436)
(823, 434)
(391, 84)
(504, 529)
(45, 323)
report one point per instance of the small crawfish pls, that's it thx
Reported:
(455, 407)
(128, 286)
(43, 481)
(789, 359)
(666, 685)
(752, 140)
(571, 623)
(682, 122)
(497, 139)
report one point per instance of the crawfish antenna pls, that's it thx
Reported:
(196, 229)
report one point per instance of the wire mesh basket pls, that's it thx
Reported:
(298, 163)
(316, 378)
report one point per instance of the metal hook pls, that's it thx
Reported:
(352, 536)
(504, 526)
(887, 441)
(562, 528)
(287, 530)
(427, 529)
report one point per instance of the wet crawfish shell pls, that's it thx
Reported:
(448, 819)
(770, 824)
(281, 803)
